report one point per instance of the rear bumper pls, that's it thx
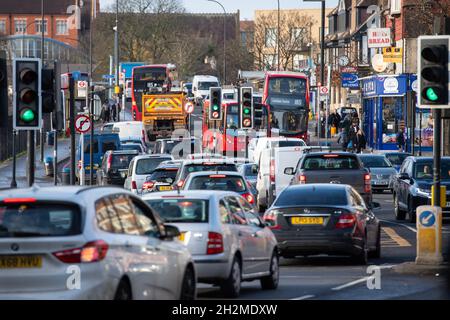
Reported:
(345, 245)
(211, 268)
(115, 181)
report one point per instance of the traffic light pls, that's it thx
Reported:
(3, 91)
(246, 107)
(27, 110)
(433, 71)
(48, 90)
(215, 99)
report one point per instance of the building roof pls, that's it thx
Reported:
(34, 6)
(247, 25)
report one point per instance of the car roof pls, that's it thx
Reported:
(207, 173)
(194, 194)
(150, 156)
(374, 155)
(118, 152)
(321, 153)
(318, 186)
(126, 123)
(424, 159)
(209, 160)
(167, 166)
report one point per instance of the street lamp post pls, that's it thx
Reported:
(278, 37)
(224, 40)
(116, 55)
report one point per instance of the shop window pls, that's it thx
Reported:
(392, 118)
(423, 132)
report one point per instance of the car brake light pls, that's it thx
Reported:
(367, 184)
(330, 155)
(133, 185)
(271, 219)
(272, 170)
(215, 243)
(79, 164)
(19, 200)
(148, 185)
(302, 179)
(91, 252)
(249, 198)
(109, 163)
(217, 176)
(346, 220)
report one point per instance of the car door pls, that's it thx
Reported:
(368, 217)
(161, 255)
(244, 233)
(259, 237)
(404, 185)
(127, 183)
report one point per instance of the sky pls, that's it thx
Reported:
(246, 7)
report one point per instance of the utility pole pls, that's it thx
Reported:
(90, 96)
(43, 65)
(72, 130)
(322, 55)
(116, 57)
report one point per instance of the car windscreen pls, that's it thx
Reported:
(181, 210)
(205, 85)
(147, 165)
(330, 162)
(208, 167)
(39, 219)
(217, 182)
(251, 170)
(375, 162)
(162, 175)
(295, 197)
(121, 161)
(424, 170)
(397, 158)
(131, 147)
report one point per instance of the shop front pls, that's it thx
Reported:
(384, 110)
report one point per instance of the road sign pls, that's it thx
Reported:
(108, 76)
(323, 91)
(76, 75)
(429, 235)
(82, 124)
(393, 54)
(82, 89)
(189, 107)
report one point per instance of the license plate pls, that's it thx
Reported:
(380, 182)
(165, 188)
(307, 220)
(13, 262)
(181, 237)
(447, 204)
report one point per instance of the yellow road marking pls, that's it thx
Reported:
(401, 242)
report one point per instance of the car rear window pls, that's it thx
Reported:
(375, 162)
(39, 220)
(121, 161)
(181, 210)
(397, 159)
(218, 182)
(163, 175)
(131, 147)
(251, 170)
(146, 166)
(282, 144)
(330, 162)
(208, 167)
(295, 197)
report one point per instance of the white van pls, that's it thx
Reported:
(131, 130)
(257, 145)
(271, 179)
(201, 85)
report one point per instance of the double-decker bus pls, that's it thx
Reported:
(228, 137)
(149, 79)
(286, 94)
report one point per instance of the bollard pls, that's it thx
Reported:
(429, 235)
(65, 176)
(49, 170)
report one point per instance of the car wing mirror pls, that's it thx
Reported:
(289, 171)
(170, 232)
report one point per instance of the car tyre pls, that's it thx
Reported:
(188, 286)
(270, 282)
(411, 213)
(362, 257)
(376, 254)
(123, 291)
(231, 287)
(399, 214)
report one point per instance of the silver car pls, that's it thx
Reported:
(228, 241)
(381, 171)
(89, 243)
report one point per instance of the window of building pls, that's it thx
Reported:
(271, 37)
(20, 25)
(38, 23)
(298, 36)
(396, 6)
(244, 38)
(2, 26)
(270, 61)
(61, 27)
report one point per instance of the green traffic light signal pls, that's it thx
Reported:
(27, 115)
(246, 111)
(431, 94)
(215, 107)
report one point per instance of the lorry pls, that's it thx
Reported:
(163, 113)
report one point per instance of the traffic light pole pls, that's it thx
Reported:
(437, 156)
(55, 157)
(13, 180)
(30, 157)
(72, 129)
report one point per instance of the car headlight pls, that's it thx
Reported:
(423, 193)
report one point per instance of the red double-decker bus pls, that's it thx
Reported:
(286, 95)
(149, 79)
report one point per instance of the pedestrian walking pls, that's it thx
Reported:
(360, 141)
(105, 112)
(400, 140)
(353, 137)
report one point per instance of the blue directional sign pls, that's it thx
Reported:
(350, 80)
(427, 218)
(108, 76)
(76, 75)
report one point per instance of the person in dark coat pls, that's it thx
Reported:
(401, 141)
(360, 141)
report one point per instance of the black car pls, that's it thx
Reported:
(114, 167)
(324, 218)
(412, 186)
(397, 158)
